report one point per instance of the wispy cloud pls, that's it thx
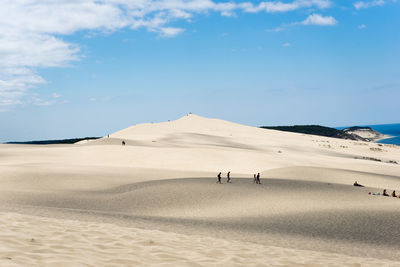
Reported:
(286, 44)
(385, 86)
(53, 99)
(56, 95)
(317, 19)
(313, 19)
(170, 31)
(362, 4)
(32, 32)
(362, 26)
(277, 29)
(278, 6)
(367, 4)
(14, 82)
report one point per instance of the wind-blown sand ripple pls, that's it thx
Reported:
(305, 212)
(31, 240)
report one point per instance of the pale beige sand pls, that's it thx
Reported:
(162, 183)
(28, 240)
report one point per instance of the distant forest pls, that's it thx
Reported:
(54, 142)
(315, 130)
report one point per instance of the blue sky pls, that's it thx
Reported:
(88, 68)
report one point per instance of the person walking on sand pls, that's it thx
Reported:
(258, 178)
(219, 178)
(228, 177)
(255, 179)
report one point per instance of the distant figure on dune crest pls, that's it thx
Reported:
(228, 177)
(123, 143)
(258, 178)
(385, 193)
(394, 193)
(357, 184)
(108, 136)
(219, 178)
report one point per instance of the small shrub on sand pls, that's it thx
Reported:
(368, 158)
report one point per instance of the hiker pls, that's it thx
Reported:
(357, 184)
(108, 136)
(385, 193)
(255, 179)
(258, 178)
(228, 177)
(219, 178)
(394, 193)
(123, 143)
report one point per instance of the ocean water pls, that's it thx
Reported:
(389, 129)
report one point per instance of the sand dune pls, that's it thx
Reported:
(274, 210)
(75, 243)
(161, 186)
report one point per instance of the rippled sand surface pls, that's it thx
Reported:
(37, 241)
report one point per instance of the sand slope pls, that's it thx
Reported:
(75, 243)
(161, 186)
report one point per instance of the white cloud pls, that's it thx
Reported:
(228, 14)
(277, 29)
(286, 44)
(53, 99)
(278, 6)
(317, 19)
(361, 4)
(170, 31)
(41, 102)
(313, 19)
(14, 82)
(56, 95)
(32, 31)
(362, 26)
